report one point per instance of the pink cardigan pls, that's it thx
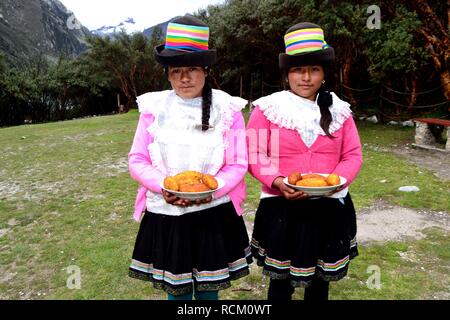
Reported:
(149, 178)
(342, 155)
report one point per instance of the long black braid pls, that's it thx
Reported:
(206, 102)
(325, 101)
(210, 83)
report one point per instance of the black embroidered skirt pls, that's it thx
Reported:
(201, 251)
(300, 239)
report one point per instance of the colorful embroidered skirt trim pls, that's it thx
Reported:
(201, 251)
(302, 239)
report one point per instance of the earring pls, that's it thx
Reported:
(323, 81)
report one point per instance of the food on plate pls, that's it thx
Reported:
(188, 177)
(194, 187)
(171, 184)
(313, 179)
(333, 179)
(313, 175)
(210, 181)
(191, 181)
(312, 182)
(294, 177)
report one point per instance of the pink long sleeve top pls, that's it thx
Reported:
(276, 137)
(235, 164)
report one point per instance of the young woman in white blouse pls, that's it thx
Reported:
(189, 248)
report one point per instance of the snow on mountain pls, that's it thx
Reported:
(128, 25)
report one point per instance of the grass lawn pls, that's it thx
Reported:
(66, 200)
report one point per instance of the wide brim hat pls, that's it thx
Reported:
(305, 45)
(186, 44)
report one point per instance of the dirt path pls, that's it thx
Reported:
(383, 222)
(436, 161)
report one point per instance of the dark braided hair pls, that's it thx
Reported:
(325, 101)
(206, 103)
(210, 83)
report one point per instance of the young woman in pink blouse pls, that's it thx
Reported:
(189, 248)
(303, 241)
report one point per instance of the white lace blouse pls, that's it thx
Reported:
(179, 144)
(290, 111)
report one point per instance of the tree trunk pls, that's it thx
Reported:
(391, 97)
(133, 81)
(445, 80)
(413, 96)
(346, 70)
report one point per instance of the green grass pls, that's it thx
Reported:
(66, 198)
(408, 270)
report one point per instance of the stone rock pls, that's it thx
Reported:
(409, 189)
(423, 134)
(372, 119)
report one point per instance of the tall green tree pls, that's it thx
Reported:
(434, 29)
(407, 53)
(129, 61)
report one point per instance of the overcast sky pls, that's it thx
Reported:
(94, 14)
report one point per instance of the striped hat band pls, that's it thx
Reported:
(184, 37)
(305, 40)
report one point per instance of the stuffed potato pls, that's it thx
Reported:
(294, 177)
(171, 184)
(313, 175)
(194, 187)
(188, 177)
(210, 181)
(312, 182)
(313, 179)
(191, 181)
(333, 179)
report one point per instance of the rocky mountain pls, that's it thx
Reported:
(30, 28)
(128, 26)
(162, 26)
(125, 25)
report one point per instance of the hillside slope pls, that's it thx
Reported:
(29, 28)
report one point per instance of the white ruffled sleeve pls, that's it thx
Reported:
(150, 102)
(229, 105)
(340, 111)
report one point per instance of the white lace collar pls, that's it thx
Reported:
(290, 111)
(155, 102)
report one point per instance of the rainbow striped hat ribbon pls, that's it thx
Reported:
(184, 37)
(304, 40)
